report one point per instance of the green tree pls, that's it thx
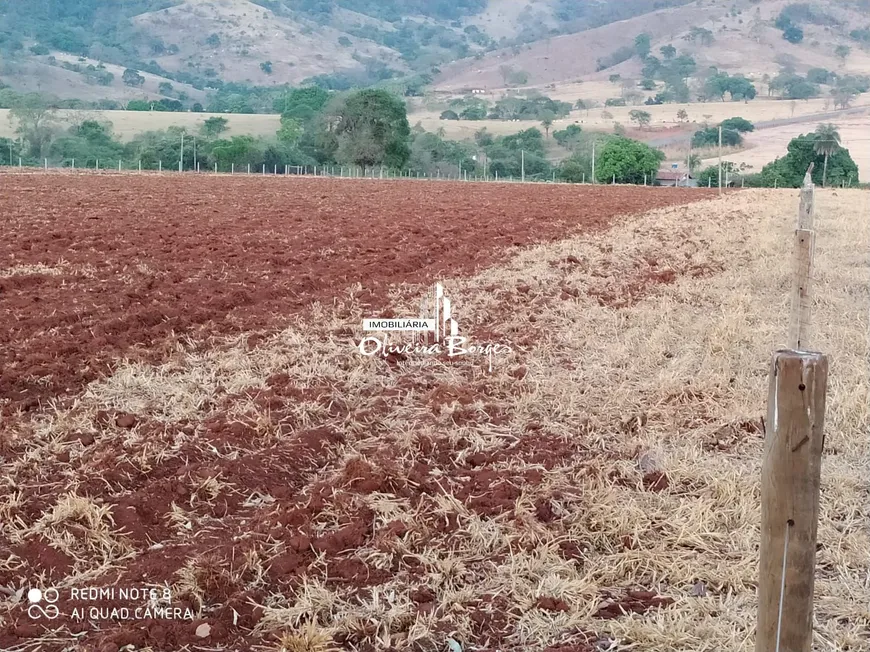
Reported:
(214, 126)
(290, 131)
(643, 45)
(547, 122)
(793, 34)
(133, 78)
(740, 125)
(574, 170)
(827, 144)
(641, 118)
(741, 88)
(628, 160)
(238, 150)
(683, 115)
(36, 123)
(569, 137)
(370, 127)
(668, 52)
(266, 67)
(518, 78)
(304, 103)
(802, 90)
(709, 137)
(842, 52)
(165, 88)
(139, 105)
(843, 97)
(789, 171)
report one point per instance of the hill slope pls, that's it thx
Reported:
(741, 37)
(230, 39)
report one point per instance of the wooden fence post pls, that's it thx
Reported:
(790, 487)
(804, 251)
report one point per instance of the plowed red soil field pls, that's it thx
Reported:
(132, 261)
(243, 512)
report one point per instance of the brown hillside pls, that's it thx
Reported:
(250, 35)
(745, 41)
(568, 57)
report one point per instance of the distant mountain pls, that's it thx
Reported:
(744, 37)
(184, 48)
(204, 43)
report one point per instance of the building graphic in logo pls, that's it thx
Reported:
(436, 318)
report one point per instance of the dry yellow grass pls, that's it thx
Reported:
(128, 124)
(678, 375)
(664, 115)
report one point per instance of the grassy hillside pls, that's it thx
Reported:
(336, 43)
(740, 37)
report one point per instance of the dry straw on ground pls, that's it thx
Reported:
(616, 450)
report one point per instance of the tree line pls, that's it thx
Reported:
(370, 129)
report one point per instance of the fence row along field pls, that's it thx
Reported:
(185, 408)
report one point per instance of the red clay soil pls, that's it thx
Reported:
(143, 260)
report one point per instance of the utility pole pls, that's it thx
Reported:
(720, 159)
(195, 164)
(181, 160)
(524, 166)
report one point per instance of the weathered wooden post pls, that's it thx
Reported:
(804, 250)
(791, 471)
(790, 488)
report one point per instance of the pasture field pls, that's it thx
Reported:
(126, 125)
(766, 145)
(185, 408)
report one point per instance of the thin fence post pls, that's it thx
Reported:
(46, 164)
(140, 166)
(73, 164)
(119, 166)
(232, 168)
(804, 251)
(160, 166)
(215, 168)
(790, 488)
